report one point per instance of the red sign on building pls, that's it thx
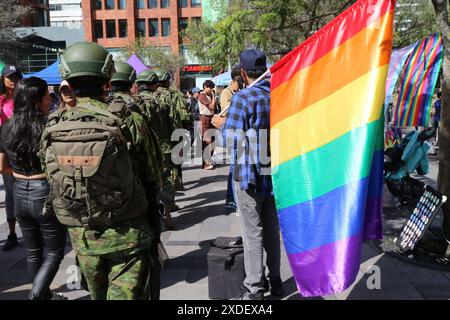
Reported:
(197, 69)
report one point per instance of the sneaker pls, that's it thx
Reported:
(58, 296)
(209, 167)
(11, 242)
(246, 295)
(276, 288)
(230, 205)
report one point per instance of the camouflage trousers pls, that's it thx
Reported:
(117, 276)
(170, 176)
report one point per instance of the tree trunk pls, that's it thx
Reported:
(441, 8)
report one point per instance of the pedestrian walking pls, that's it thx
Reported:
(225, 99)
(10, 76)
(45, 237)
(207, 107)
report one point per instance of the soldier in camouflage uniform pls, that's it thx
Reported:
(164, 120)
(114, 256)
(180, 104)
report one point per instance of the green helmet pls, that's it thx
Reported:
(163, 75)
(147, 76)
(86, 59)
(124, 72)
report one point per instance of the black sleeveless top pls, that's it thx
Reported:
(34, 164)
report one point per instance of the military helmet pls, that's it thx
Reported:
(163, 75)
(147, 76)
(86, 59)
(124, 72)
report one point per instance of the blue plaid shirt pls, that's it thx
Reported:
(249, 113)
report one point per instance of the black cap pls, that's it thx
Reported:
(253, 59)
(9, 70)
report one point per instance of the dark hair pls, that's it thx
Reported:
(2, 85)
(255, 74)
(208, 84)
(236, 72)
(87, 86)
(28, 121)
(121, 86)
(439, 94)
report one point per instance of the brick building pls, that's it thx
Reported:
(117, 23)
(39, 17)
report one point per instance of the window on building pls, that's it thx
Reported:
(182, 3)
(153, 4)
(153, 30)
(165, 27)
(140, 26)
(196, 19)
(122, 4)
(40, 18)
(109, 4)
(55, 7)
(165, 3)
(183, 23)
(140, 4)
(98, 29)
(196, 3)
(110, 28)
(123, 28)
(98, 4)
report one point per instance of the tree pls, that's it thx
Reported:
(414, 20)
(154, 56)
(441, 9)
(11, 14)
(276, 26)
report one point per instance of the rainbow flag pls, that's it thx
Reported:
(398, 59)
(418, 81)
(327, 145)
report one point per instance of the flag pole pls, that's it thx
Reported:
(265, 74)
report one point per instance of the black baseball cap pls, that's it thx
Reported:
(253, 59)
(10, 69)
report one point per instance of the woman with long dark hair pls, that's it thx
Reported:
(9, 78)
(19, 139)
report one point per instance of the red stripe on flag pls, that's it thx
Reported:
(359, 16)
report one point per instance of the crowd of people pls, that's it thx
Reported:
(98, 166)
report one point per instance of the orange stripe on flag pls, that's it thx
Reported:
(367, 50)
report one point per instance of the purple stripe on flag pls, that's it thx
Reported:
(373, 220)
(328, 269)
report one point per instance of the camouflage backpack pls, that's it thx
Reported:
(86, 152)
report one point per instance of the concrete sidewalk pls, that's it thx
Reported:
(201, 219)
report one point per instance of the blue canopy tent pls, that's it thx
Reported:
(50, 74)
(223, 79)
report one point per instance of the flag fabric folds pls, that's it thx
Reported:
(418, 81)
(398, 59)
(327, 145)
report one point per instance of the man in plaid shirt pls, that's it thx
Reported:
(247, 128)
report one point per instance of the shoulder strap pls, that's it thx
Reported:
(100, 111)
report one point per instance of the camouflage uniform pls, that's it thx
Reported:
(170, 121)
(181, 106)
(115, 261)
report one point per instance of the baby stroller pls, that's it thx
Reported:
(403, 159)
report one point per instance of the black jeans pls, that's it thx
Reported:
(39, 232)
